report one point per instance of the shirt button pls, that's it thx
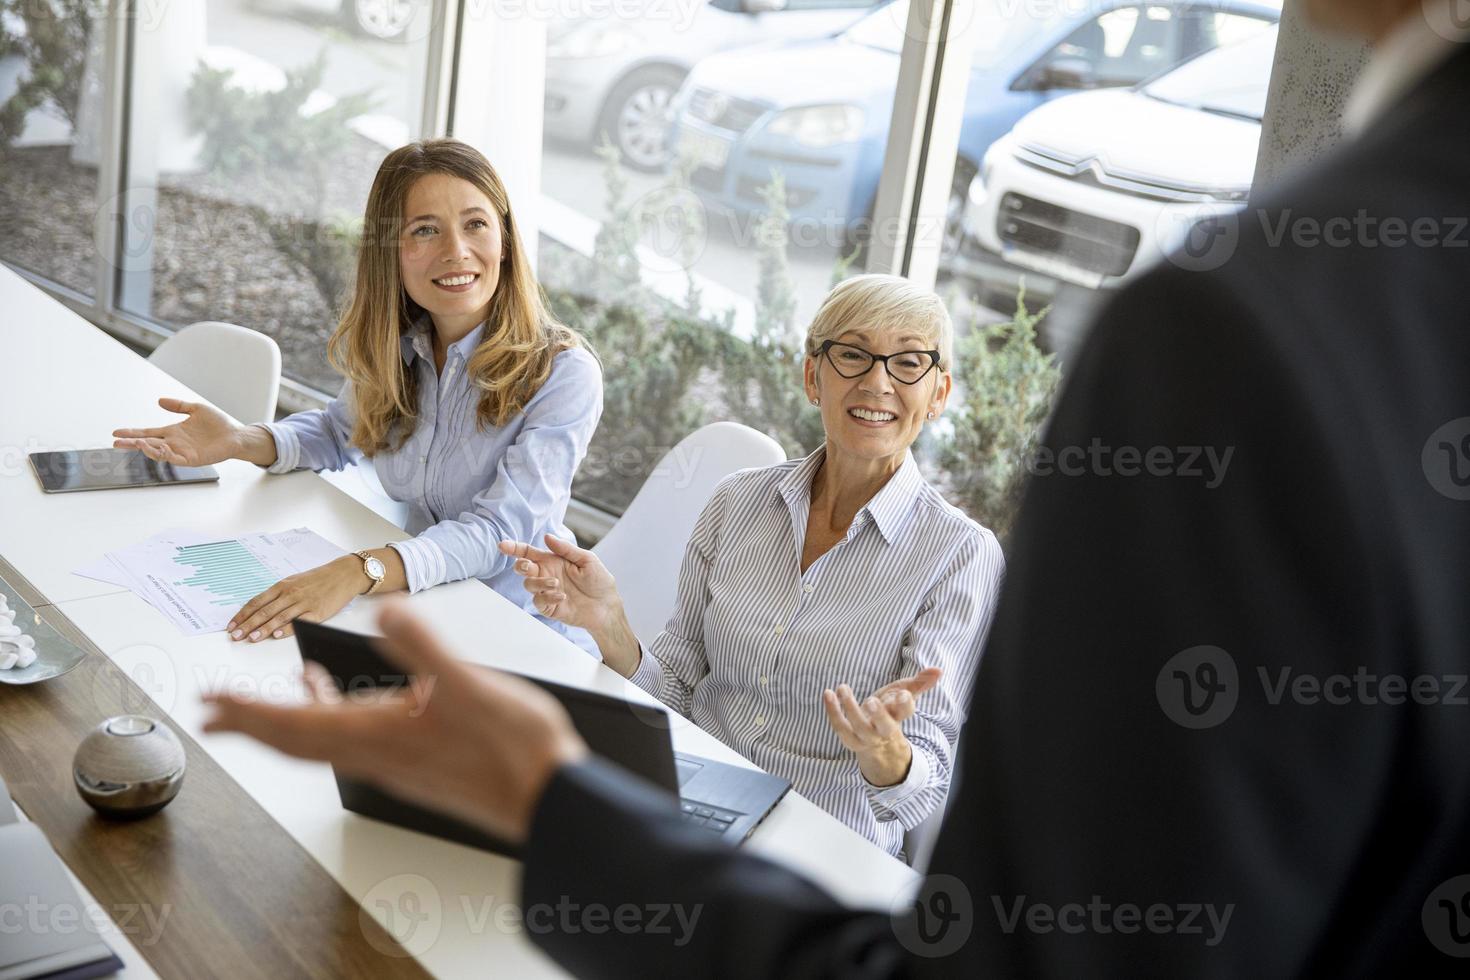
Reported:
(780, 630)
(423, 459)
(760, 719)
(807, 589)
(763, 680)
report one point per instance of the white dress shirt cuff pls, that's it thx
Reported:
(649, 673)
(288, 447)
(423, 562)
(885, 798)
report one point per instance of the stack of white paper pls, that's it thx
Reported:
(199, 580)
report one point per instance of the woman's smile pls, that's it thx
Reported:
(457, 282)
(871, 418)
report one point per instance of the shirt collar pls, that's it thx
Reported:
(418, 340)
(1404, 59)
(889, 508)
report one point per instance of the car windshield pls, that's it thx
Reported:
(998, 27)
(1229, 81)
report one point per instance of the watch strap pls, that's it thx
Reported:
(377, 579)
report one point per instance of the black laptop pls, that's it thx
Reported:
(727, 801)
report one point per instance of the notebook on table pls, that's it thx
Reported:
(48, 931)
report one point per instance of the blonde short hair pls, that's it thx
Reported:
(886, 303)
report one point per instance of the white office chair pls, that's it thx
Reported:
(237, 369)
(918, 844)
(644, 549)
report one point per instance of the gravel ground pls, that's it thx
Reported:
(50, 206)
(216, 252)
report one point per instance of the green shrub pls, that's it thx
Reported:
(762, 379)
(54, 46)
(654, 354)
(262, 133)
(1006, 386)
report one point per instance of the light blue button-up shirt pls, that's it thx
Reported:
(754, 640)
(467, 488)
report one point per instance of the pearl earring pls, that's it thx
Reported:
(931, 416)
(816, 401)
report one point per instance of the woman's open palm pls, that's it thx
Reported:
(205, 436)
(568, 584)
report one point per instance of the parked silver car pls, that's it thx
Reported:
(618, 73)
(387, 20)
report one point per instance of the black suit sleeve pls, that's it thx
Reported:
(605, 840)
(1100, 827)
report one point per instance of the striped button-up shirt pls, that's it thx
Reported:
(753, 640)
(468, 488)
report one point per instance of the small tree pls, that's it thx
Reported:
(255, 134)
(54, 46)
(655, 353)
(615, 270)
(1007, 389)
(763, 379)
(842, 268)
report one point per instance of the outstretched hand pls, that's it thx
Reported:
(475, 743)
(568, 584)
(205, 436)
(872, 730)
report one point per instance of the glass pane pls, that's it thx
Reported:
(51, 63)
(1092, 143)
(743, 154)
(256, 130)
(1089, 150)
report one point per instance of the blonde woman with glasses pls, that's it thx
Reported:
(473, 403)
(831, 609)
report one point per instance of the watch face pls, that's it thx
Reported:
(375, 568)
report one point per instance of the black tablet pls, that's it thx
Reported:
(111, 469)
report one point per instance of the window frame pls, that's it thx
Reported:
(912, 199)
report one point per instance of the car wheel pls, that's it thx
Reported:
(636, 117)
(383, 19)
(954, 211)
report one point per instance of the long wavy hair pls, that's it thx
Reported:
(521, 336)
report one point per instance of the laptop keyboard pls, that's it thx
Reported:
(710, 818)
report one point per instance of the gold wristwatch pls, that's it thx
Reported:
(373, 569)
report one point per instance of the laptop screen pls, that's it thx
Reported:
(634, 736)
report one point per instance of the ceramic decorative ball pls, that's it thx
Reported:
(129, 766)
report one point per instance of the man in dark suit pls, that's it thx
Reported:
(1220, 728)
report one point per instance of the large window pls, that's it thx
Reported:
(255, 132)
(51, 65)
(705, 179)
(696, 175)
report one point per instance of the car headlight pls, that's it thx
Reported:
(977, 192)
(591, 41)
(820, 125)
(987, 162)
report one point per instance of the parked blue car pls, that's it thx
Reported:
(818, 111)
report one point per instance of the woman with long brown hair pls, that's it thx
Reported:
(473, 403)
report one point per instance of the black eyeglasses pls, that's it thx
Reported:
(906, 367)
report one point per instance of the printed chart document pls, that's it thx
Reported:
(200, 580)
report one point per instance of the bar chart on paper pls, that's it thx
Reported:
(199, 580)
(226, 570)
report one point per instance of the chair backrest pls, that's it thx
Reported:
(918, 844)
(236, 369)
(645, 547)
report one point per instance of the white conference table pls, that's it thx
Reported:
(68, 385)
